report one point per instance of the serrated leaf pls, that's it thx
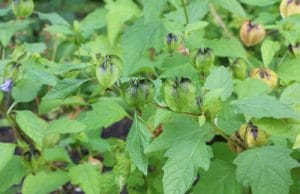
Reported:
(12, 173)
(152, 9)
(64, 126)
(257, 168)
(118, 13)
(31, 125)
(103, 114)
(25, 90)
(137, 140)
(227, 47)
(219, 179)
(233, 6)
(87, 176)
(184, 159)
(220, 78)
(289, 71)
(276, 127)
(44, 182)
(268, 50)
(6, 153)
(260, 2)
(135, 43)
(64, 88)
(264, 106)
(250, 87)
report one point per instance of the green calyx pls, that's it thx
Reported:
(22, 8)
(239, 68)
(138, 92)
(203, 60)
(172, 42)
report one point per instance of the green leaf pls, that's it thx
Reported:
(268, 50)
(54, 18)
(185, 157)
(260, 2)
(8, 29)
(137, 140)
(44, 182)
(103, 114)
(152, 9)
(233, 6)
(57, 153)
(199, 25)
(277, 127)
(87, 176)
(220, 78)
(6, 153)
(289, 71)
(118, 13)
(31, 125)
(219, 179)
(12, 173)
(35, 48)
(26, 90)
(91, 22)
(297, 142)
(227, 47)
(250, 87)
(264, 106)
(40, 76)
(64, 88)
(291, 94)
(68, 67)
(64, 126)
(228, 120)
(135, 44)
(257, 168)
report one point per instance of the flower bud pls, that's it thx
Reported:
(251, 33)
(203, 60)
(289, 7)
(180, 95)
(138, 92)
(252, 136)
(22, 8)
(109, 71)
(295, 49)
(266, 75)
(172, 42)
(7, 85)
(239, 68)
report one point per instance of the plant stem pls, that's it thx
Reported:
(219, 21)
(3, 52)
(187, 21)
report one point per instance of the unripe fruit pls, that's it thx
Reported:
(203, 59)
(289, 7)
(180, 95)
(109, 70)
(251, 33)
(295, 49)
(253, 136)
(266, 75)
(239, 68)
(138, 92)
(172, 42)
(22, 8)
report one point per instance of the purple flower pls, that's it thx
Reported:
(7, 85)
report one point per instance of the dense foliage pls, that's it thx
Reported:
(210, 89)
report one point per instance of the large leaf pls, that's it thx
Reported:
(64, 125)
(289, 70)
(152, 9)
(220, 78)
(54, 18)
(6, 153)
(31, 125)
(87, 176)
(8, 29)
(118, 13)
(268, 50)
(12, 173)
(266, 169)
(250, 87)
(233, 6)
(185, 157)
(276, 127)
(137, 140)
(264, 106)
(91, 22)
(137, 39)
(44, 182)
(26, 90)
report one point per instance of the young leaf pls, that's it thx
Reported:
(44, 182)
(264, 106)
(266, 169)
(268, 50)
(138, 139)
(87, 176)
(6, 153)
(185, 157)
(220, 78)
(31, 125)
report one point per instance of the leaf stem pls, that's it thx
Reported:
(187, 21)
